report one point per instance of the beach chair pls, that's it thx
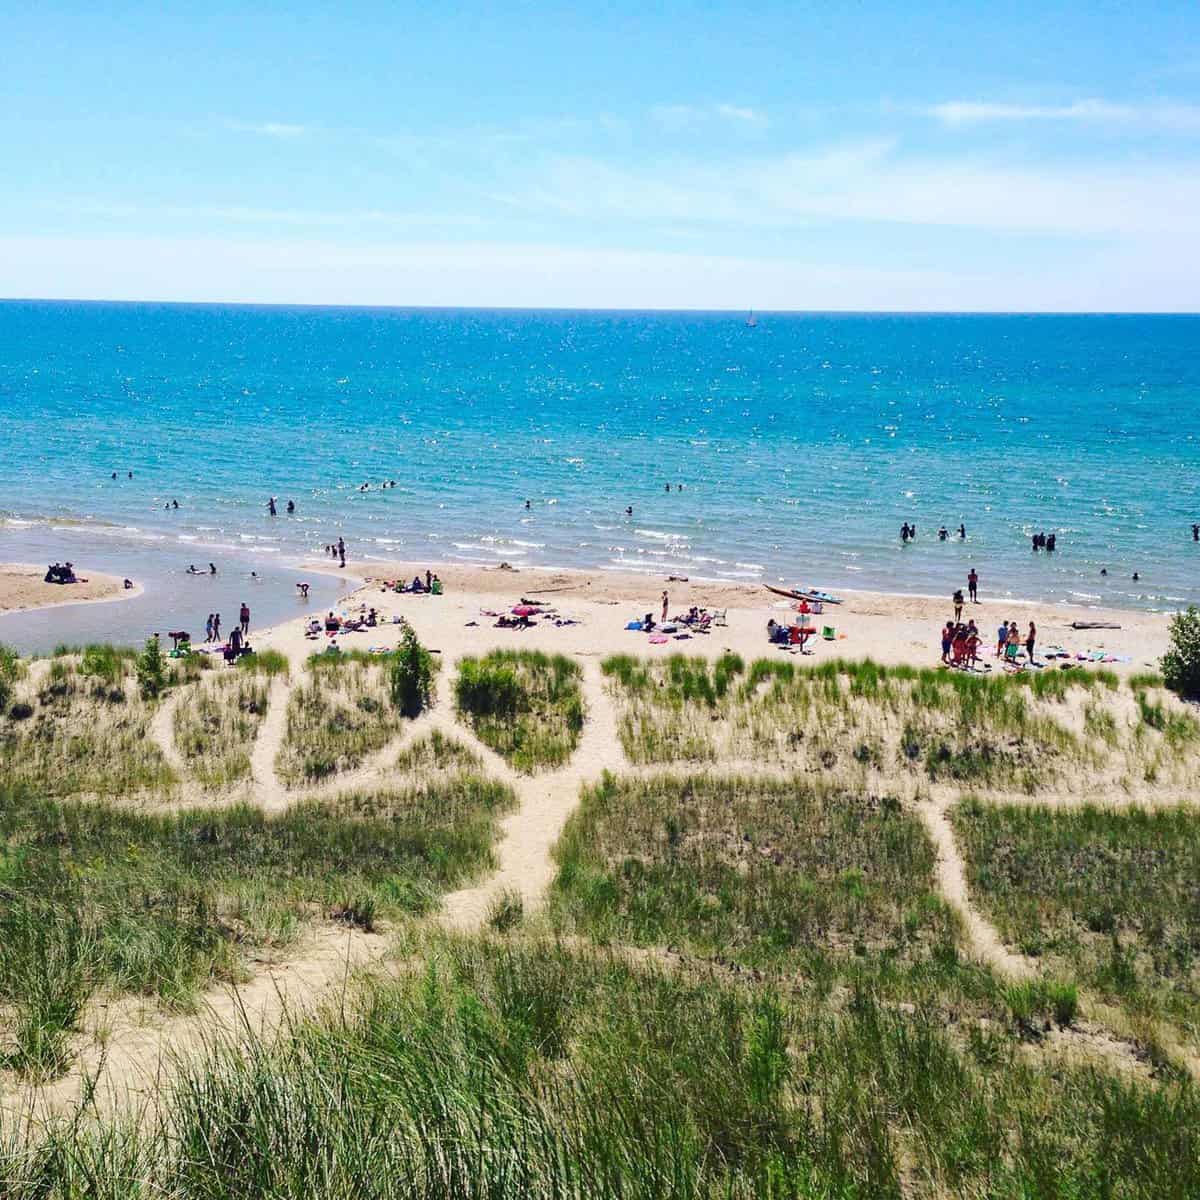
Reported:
(718, 616)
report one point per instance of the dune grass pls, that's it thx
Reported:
(525, 705)
(500, 1069)
(93, 896)
(435, 752)
(342, 714)
(1108, 896)
(215, 724)
(1006, 732)
(85, 731)
(783, 876)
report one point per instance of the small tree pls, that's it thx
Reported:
(1181, 663)
(411, 675)
(151, 669)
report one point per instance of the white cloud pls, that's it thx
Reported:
(1182, 117)
(275, 129)
(873, 182)
(738, 112)
(675, 117)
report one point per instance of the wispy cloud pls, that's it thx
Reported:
(1182, 117)
(275, 129)
(683, 116)
(875, 182)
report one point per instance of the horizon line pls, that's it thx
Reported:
(558, 308)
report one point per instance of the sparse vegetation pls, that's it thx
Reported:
(846, 719)
(343, 713)
(215, 725)
(435, 752)
(84, 734)
(524, 704)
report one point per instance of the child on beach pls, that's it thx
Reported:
(958, 604)
(947, 641)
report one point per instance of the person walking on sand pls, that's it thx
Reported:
(208, 626)
(973, 585)
(216, 627)
(1031, 640)
(958, 604)
(666, 604)
(244, 618)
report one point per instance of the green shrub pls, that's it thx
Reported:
(411, 675)
(151, 670)
(266, 662)
(1181, 663)
(103, 663)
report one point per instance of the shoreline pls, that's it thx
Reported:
(23, 582)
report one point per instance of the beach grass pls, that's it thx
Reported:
(1108, 897)
(341, 714)
(97, 898)
(1027, 732)
(215, 724)
(524, 704)
(784, 876)
(84, 731)
(513, 1068)
(435, 752)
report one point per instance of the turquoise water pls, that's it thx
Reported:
(801, 444)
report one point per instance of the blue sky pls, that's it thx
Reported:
(776, 156)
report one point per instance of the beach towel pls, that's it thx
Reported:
(656, 639)
(635, 625)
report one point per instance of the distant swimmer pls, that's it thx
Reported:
(130, 474)
(174, 503)
(666, 487)
(192, 570)
(114, 474)
(962, 531)
(1196, 533)
(1136, 577)
(528, 505)
(943, 534)
(254, 576)
(1103, 570)
(271, 507)
(291, 506)
(629, 510)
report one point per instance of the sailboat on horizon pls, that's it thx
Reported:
(752, 321)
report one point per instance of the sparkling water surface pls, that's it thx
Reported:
(801, 444)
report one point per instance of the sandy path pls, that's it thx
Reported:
(141, 1049)
(545, 802)
(269, 794)
(983, 940)
(162, 732)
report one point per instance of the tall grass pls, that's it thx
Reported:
(1107, 896)
(525, 705)
(509, 1070)
(93, 896)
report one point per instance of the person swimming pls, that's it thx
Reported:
(291, 506)
(962, 531)
(212, 568)
(271, 510)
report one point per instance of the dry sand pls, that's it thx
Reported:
(889, 628)
(23, 586)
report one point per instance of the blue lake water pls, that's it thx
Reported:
(801, 444)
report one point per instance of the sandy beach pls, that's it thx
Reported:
(888, 628)
(23, 587)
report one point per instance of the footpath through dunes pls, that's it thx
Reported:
(526, 865)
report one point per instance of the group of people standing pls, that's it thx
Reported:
(960, 643)
(337, 550)
(212, 626)
(1042, 541)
